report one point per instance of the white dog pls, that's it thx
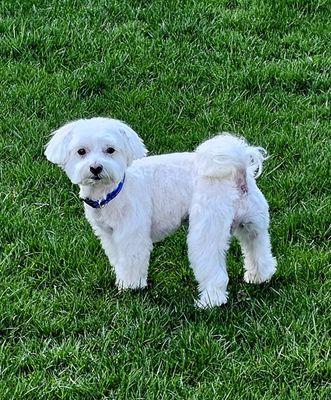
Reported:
(132, 201)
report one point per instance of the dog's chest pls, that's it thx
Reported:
(100, 218)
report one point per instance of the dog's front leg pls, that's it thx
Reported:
(132, 251)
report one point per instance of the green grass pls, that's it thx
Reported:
(178, 72)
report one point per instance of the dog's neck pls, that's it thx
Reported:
(96, 192)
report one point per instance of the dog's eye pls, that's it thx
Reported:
(81, 152)
(110, 150)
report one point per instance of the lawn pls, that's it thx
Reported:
(177, 72)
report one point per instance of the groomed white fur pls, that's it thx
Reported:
(215, 187)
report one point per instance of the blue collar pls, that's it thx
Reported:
(110, 196)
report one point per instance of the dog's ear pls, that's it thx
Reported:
(134, 145)
(57, 149)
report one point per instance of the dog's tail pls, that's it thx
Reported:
(225, 156)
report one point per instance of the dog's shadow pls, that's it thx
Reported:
(173, 288)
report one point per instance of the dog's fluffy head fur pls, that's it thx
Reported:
(85, 143)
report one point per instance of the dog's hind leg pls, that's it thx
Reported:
(211, 216)
(252, 233)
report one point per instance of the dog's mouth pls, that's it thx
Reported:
(97, 179)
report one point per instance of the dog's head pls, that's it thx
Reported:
(95, 151)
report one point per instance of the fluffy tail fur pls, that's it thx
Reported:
(225, 155)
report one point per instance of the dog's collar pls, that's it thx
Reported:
(110, 196)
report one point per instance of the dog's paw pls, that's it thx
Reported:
(133, 284)
(254, 276)
(211, 298)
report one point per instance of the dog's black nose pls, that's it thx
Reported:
(96, 170)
